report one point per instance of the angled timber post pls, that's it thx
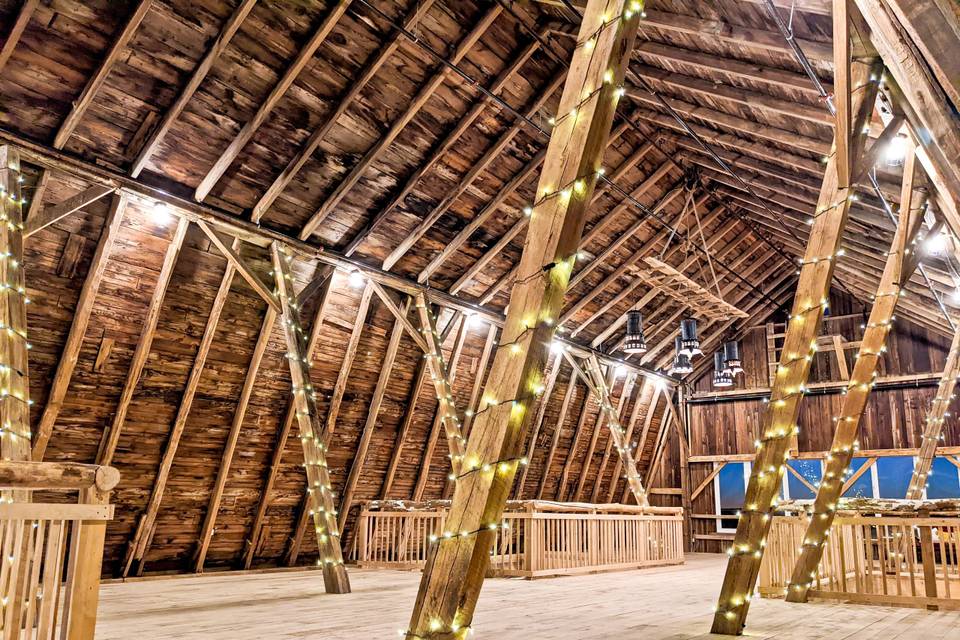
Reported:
(780, 417)
(900, 265)
(456, 563)
(934, 420)
(322, 505)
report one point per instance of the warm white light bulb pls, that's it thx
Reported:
(161, 213)
(936, 244)
(896, 151)
(356, 279)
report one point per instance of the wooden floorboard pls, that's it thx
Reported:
(670, 603)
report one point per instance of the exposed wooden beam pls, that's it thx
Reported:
(86, 97)
(216, 49)
(427, 90)
(310, 147)
(538, 422)
(557, 432)
(266, 106)
(595, 438)
(628, 433)
(16, 30)
(283, 433)
(561, 492)
(441, 148)
(373, 413)
(143, 536)
(49, 215)
(229, 448)
(841, 85)
(780, 417)
(111, 436)
(847, 425)
(314, 441)
(78, 327)
(233, 256)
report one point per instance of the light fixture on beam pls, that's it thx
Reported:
(681, 361)
(689, 342)
(161, 213)
(356, 279)
(731, 357)
(936, 244)
(634, 342)
(722, 377)
(896, 151)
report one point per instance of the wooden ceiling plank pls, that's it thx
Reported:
(595, 438)
(373, 412)
(561, 491)
(252, 541)
(865, 369)
(315, 442)
(215, 50)
(86, 97)
(557, 431)
(233, 256)
(54, 213)
(441, 148)
(628, 433)
(454, 571)
(111, 436)
(310, 147)
(780, 417)
(143, 536)
(266, 106)
(78, 326)
(207, 529)
(476, 169)
(426, 91)
(16, 30)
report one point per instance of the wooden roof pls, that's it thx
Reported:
(403, 139)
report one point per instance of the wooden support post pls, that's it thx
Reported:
(246, 272)
(143, 535)
(217, 47)
(841, 89)
(366, 435)
(83, 571)
(899, 267)
(226, 459)
(111, 436)
(85, 99)
(283, 433)
(314, 440)
(78, 328)
(645, 388)
(933, 426)
(14, 404)
(780, 417)
(54, 213)
(456, 564)
(651, 405)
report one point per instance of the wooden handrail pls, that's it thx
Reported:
(524, 505)
(57, 476)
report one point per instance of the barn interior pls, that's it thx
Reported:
(479, 318)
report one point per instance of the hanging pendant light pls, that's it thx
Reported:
(731, 357)
(721, 376)
(634, 342)
(681, 362)
(689, 342)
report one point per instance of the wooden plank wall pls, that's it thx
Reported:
(893, 418)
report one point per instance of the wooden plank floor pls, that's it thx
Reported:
(667, 603)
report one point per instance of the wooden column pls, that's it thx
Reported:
(780, 417)
(900, 265)
(323, 508)
(457, 560)
(14, 402)
(934, 420)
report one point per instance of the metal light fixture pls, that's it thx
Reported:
(688, 341)
(681, 361)
(731, 358)
(634, 342)
(722, 377)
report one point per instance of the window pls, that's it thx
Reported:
(943, 481)
(730, 488)
(809, 470)
(862, 487)
(893, 476)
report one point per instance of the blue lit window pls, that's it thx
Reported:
(730, 489)
(943, 480)
(893, 476)
(863, 487)
(811, 471)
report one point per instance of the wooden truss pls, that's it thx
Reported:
(673, 283)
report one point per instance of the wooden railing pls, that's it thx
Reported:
(52, 552)
(538, 539)
(904, 558)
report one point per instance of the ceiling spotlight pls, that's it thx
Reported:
(681, 361)
(161, 213)
(474, 321)
(557, 347)
(722, 377)
(731, 358)
(936, 244)
(896, 151)
(356, 279)
(689, 344)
